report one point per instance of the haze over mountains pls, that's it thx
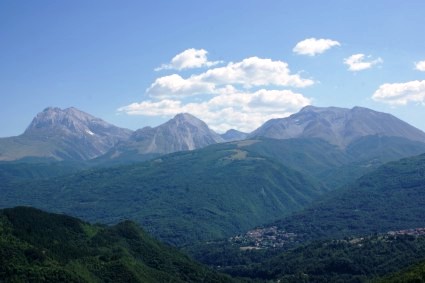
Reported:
(71, 134)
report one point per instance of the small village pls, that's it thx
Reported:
(264, 238)
(411, 232)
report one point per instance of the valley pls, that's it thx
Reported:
(212, 141)
(259, 208)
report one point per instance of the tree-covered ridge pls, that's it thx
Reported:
(205, 194)
(351, 259)
(181, 198)
(31, 170)
(36, 246)
(412, 274)
(331, 165)
(390, 198)
(348, 260)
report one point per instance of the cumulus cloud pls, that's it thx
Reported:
(401, 93)
(359, 62)
(188, 59)
(313, 46)
(255, 71)
(248, 73)
(420, 66)
(231, 108)
(175, 85)
(240, 95)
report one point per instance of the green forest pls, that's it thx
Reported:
(36, 246)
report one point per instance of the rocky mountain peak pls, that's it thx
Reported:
(338, 126)
(186, 118)
(65, 134)
(183, 132)
(54, 120)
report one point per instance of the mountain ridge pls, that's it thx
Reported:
(71, 134)
(339, 126)
(368, 205)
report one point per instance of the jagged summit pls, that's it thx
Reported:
(73, 134)
(63, 134)
(183, 132)
(187, 119)
(69, 120)
(339, 126)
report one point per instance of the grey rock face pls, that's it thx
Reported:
(183, 132)
(67, 134)
(339, 126)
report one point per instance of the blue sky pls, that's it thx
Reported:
(235, 64)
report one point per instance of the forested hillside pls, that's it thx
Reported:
(36, 246)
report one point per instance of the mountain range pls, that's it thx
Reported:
(320, 174)
(194, 180)
(71, 134)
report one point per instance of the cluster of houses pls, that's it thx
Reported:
(263, 238)
(412, 232)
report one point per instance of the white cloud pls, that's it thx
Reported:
(420, 66)
(313, 46)
(226, 97)
(255, 71)
(359, 62)
(231, 108)
(249, 72)
(188, 59)
(164, 107)
(175, 85)
(401, 93)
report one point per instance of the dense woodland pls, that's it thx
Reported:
(346, 260)
(40, 247)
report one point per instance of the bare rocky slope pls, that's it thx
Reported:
(338, 126)
(63, 134)
(183, 132)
